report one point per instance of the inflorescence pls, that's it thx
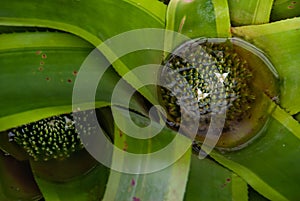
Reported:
(50, 138)
(202, 65)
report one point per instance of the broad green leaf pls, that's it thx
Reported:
(166, 184)
(42, 85)
(202, 18)
(246, 12)
(87, 187)
(270, 164)
(283, 9)
(16, 181)
(210, 181)
(152, 7)
(280, 42)
(85, 23)
(96, 22)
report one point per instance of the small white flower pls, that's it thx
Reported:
(221, 77)
(201, 95)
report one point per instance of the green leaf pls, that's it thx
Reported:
(96, 22)
(42, 86)
(209, 181)
(250, 11)
(280, 42)
(152, 7)
(270, 164)
(202, 18)
(165, 184)
(283, 9)
(88, 187)
(85, 23)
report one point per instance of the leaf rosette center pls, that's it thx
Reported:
(224, 76)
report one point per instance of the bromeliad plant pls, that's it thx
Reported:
(43, 45)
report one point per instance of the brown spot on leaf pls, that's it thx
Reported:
(136, 199)
(75, 72)
(125, 146)
(44, 56)
(38, 52)
(132, 182)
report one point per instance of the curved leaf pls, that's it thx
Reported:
(166, 184)
(250, 11)
(271, 163)
(280, 41)
(96, 22)
(283, 9)
(202, 18)
(42, 86)
(210, 181)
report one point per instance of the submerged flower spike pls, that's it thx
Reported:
(219, 77)
(51, 138)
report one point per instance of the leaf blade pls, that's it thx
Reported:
(285, 59)
(209, 181)
(188, 18)
(250, 12)
(271, 162)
